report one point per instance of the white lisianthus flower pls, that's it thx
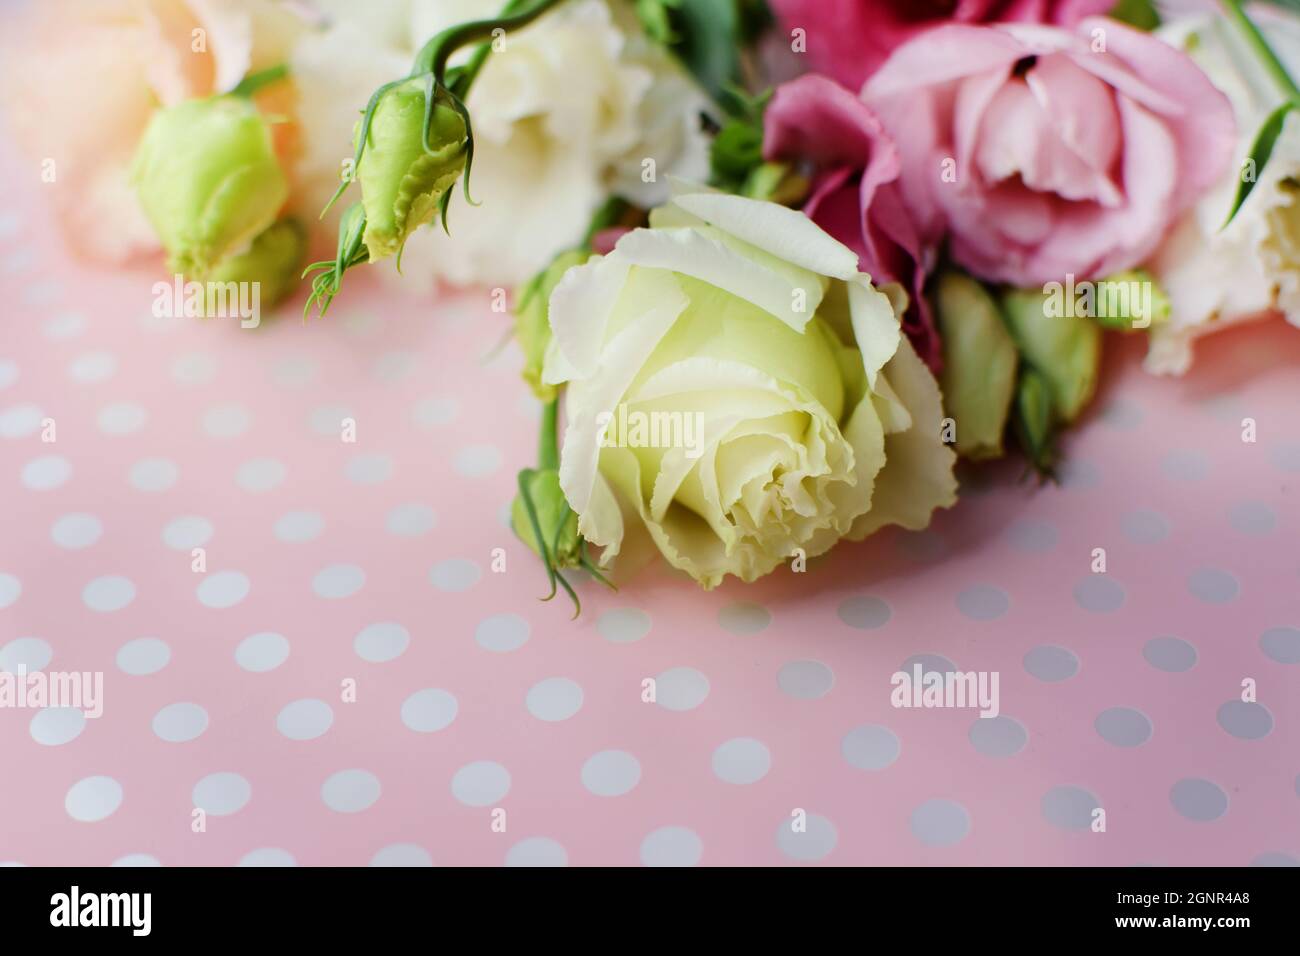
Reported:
(738, 388)
(1217, 277)
(564, 112)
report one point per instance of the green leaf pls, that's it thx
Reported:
(708, 41)
(1137, 13)
(1260, 152)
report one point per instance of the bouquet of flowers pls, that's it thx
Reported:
(775, 268)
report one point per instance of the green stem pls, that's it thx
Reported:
(254, 82)
(1252, 35)
(548, 448)
(433, 55)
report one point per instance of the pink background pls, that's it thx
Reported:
(793, 668)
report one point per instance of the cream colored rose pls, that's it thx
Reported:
(1215, 278)
(564, 114)
(738, 388)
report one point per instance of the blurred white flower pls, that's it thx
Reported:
(1216, 278)
(565, 114)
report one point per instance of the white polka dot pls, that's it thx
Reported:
(369, 469)
(940, 822)
(1075, 473)
(812, 841)
(299, 526)
(402, 854)
(983, 602)
(338, 581)
(554, 699)
(394, 366)
(742, 760)
(76, 531)
(180, 723)
(454, 574)
(92, 368)
(431, 412)
(121, 418)
(1185, 465)
(187, 532)
(93, 798)
(537, 851)
(223, 589)
(54, 726)
(42, 292)
(611, 773)
(477, 460)
(502, 632)
(143, 656)
(1254, 518)
(137, 859)
(672, 846)
(19, 421)
(197, 368)
(1213, 585)
(806, 680)
(260, 475)
(10, 589)
(350, 791)
(297, 371)
(382, 642)
(221, 794)
(65, 325)
(46, 473)
(268, 856)
(480, 784)
(429, 710)
(870, 747)
(110, 593)
(226, 421)
(8, 373)
(681, 688)
(623, 625)
(327, 420)
(262, 652)
(153, 474)
(305, 719)
(744, 618)
(25, 653)
(411, 520)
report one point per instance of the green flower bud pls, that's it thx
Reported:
(402, 181)
(1130, 300)
(208, 180)
(532, 319)
(1064, 349)
(271, 261)
(979, 366)
(557, 521)
(1035, 422)
(777, 182)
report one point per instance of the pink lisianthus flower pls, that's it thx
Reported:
(1041, 152)
(850, 39)
(854, 197)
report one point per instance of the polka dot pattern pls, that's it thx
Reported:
(368, 630)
